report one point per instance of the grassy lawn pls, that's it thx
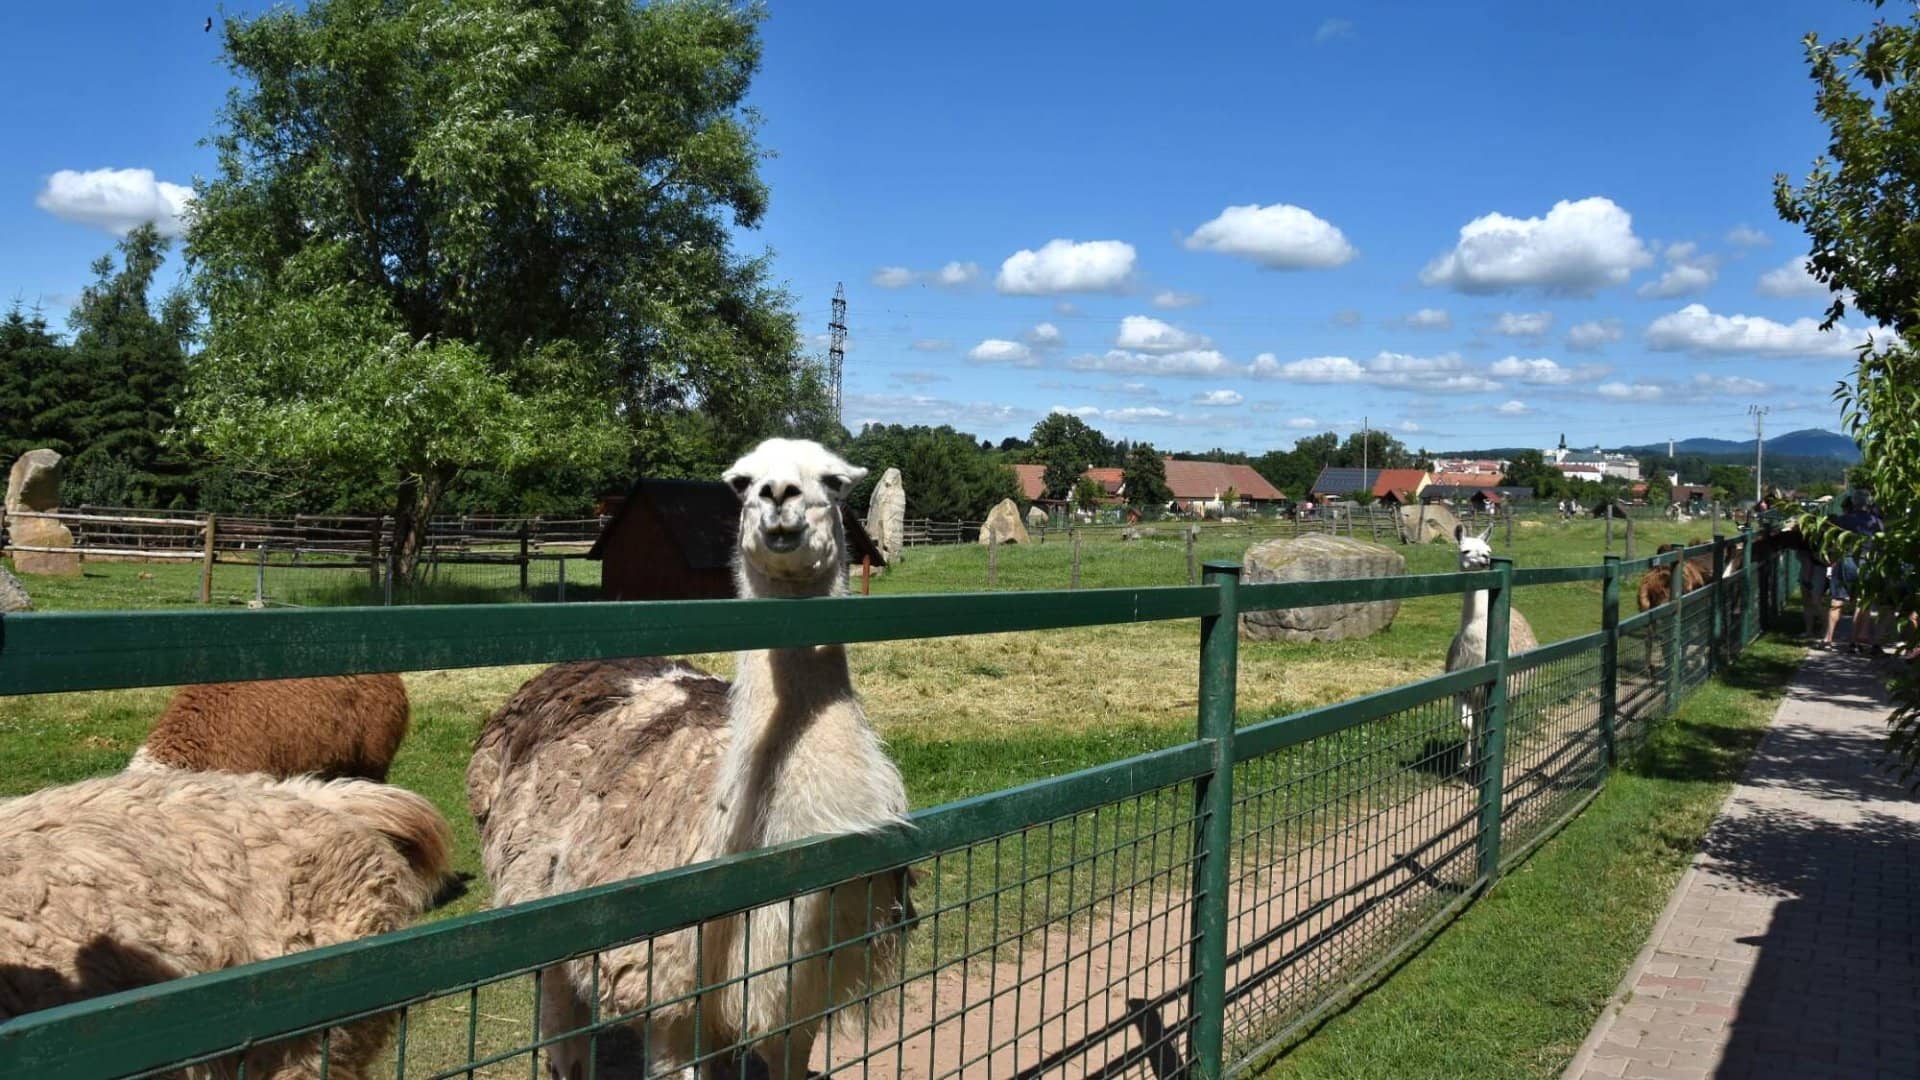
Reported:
(1512, 987)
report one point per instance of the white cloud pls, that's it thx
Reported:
(1278, 237)
(1002, 351)
(893, 277)
(1791, 280)
(932, 345)
(116, 200)
(1066, 308)
(1730, 385)
(1523, 323)
(1539, 371)
(1639, 391)
(1147, 334)
(1347, 317)
(1590, 336)
(1408, 427)
(1745, 236)
(919, 378)
(1430, 319)
(1136, 389)
(1688, 272)
(1044, 335)
(1577, 248)
(1186, 362)
(1332, 30)
(1303, 423)
(1218, 398)
(1514, 408)
(1438, 374)
(957, 273)
(1129, 414)
(1067, 266)
(922, 409)
(1170, 299)
(1699, 331)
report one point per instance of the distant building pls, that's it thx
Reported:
(1594, 464)
(1204, 484)
(1475, 467)
(1401, 487)
(1341, 483)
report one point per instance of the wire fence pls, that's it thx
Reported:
(1183, 912)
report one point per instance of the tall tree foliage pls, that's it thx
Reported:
(946, 475)
(43, 395)
(1860, 207)
(1068, 446)
(1145, 476)
(450, 235)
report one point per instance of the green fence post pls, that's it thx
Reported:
(1213, 810)
(1610, 658)
(1493, 756)
(1717, 619)
(1676, 634)
(1749, 593)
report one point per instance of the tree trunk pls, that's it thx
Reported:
(418, 497)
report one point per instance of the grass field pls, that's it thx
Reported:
(963, 716)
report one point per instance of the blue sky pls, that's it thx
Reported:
(1197, 225)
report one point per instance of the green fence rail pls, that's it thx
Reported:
(1182, 912)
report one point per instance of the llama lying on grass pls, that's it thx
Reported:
(339, 725)
(599, 771)
(129, 880)
(1469, 646)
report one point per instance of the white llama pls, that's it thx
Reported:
(604, 770)
(1469, 647)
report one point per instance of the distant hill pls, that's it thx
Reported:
(1805, 443)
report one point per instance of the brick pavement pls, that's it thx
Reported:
(1789, 947)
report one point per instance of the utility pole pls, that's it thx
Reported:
(1759, 414)
(1363, 454)
(837, 349)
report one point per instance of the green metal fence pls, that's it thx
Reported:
(1183, 912)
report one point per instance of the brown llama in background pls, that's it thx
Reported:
(334, 726)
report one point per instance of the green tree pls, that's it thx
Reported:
(1068, 446)
(1860, 207)
(1529, 469)
(1294, 471)
(1145, 477)
(489, 235)
(946, 475)
(1730, 482)
(43, 394)
(1087, 493)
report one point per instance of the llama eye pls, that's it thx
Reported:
(740, 483)
(836, 483)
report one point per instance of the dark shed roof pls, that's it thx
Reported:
(1343, 482)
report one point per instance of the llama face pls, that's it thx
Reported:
(790, 492)
(1475, 552)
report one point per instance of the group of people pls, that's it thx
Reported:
(1831, 588)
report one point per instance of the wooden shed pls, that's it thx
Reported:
(674, 540)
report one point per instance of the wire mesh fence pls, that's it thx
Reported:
(1182, 912)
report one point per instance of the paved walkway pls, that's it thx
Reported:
(1790, 948)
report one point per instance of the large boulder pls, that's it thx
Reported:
(1036, 518)
(1003, 524)
(887, 515)
(34, 482)
(1320, 558)
(1426, 523)
(13, 595)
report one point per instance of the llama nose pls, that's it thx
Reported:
(781, 494)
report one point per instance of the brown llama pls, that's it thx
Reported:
(1656, 587)
(333, 726)
(128, 880)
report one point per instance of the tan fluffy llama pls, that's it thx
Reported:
(127, 880)
(600, 771)
(338, 725)
(1469, 646)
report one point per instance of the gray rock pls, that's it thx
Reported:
(34, 482)
(1036, 518)
(13, 595)
(1320, 558)
(42, 533)
(887, 515)
(1003, 522)
(1426, 523)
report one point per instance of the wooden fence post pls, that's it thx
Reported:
(1629, 541)
(866, 574)
(563, 579)
(1075, 582)
(1676, 634)
(1193, 568)
(1509, 528)
(993, 559)
(525, 537)
(373, 547)
(1609, 546)
(206, 563)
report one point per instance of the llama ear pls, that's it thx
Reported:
(1486, 532)
(739, 482)
(839, 483)
(1459, 533)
